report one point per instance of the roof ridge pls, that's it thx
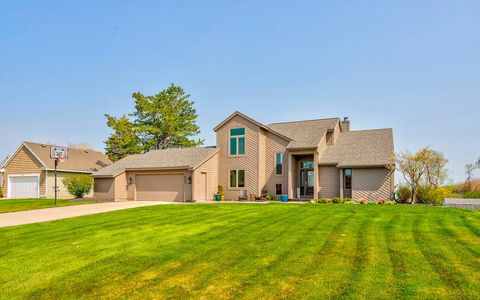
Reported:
(301, 121)
(376, 129)
(47, 144)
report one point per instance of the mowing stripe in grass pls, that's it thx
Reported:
(397, 258)
(351, 285)
(437, 260)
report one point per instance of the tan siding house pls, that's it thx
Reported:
(29, 172)
(176, 175)
(302, 159)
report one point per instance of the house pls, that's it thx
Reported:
(29, 171)
(304, 159)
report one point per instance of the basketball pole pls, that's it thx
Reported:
(56, 188)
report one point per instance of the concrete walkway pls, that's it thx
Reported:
(64, 212)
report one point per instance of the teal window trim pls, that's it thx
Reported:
(237, 141)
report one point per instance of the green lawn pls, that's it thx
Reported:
(11, 205)
(247, 251)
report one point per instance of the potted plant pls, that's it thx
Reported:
(220, 194)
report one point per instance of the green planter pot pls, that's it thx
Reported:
(218, 197)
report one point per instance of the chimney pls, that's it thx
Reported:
(345, 124)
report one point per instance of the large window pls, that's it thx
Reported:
(237, 178)
(278, 163)
(347, 173)
(237, 141)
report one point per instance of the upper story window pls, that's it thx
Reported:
(347, 173)
(278, 163)
(237, 141)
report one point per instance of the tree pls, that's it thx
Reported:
(469, 168)
(164, 120)
(123, 141)
(426, 167)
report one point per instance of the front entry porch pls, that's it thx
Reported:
(303, 175)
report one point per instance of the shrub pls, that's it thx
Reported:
(380, 202)
(361, 201)
(404, 194)
(475, 195)
(276, 198)
(269, 197)
(314, 200)
(1, 192)
(337, 200)
(431, 195)
(78, 185)
(390, 202)
(324, 200)
(347, 200)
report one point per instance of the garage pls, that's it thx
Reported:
(26, 186)
(157, 187)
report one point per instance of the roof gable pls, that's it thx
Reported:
(79, 160)
(241, 115)
(26, 148)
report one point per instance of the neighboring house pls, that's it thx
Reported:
(304, 159)
(29, 171)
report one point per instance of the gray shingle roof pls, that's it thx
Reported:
(78, 159)
(180, 158)
(360, 148)
(305, 134)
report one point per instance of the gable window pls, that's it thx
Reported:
(237, 178)
(278, 189)
(278, 163)
(347, 173)
(237, 141)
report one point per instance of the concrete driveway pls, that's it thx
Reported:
(64, 212)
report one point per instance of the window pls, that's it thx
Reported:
(237, 178)
(347, 173)
(307, 164)
(278, 189)
(278, 163)
(237, 141)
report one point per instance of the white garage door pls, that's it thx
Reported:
(23, 187)
(159, 187)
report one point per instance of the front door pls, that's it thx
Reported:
(306, 182)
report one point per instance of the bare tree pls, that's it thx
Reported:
(469, 168)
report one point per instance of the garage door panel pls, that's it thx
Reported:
(23, 187)
(160, 187)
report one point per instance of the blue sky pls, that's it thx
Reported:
(410, 65)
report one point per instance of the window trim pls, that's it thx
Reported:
(281, 163)
(237, 137)
(236, 178)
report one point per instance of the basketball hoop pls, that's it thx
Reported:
(59, 154)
